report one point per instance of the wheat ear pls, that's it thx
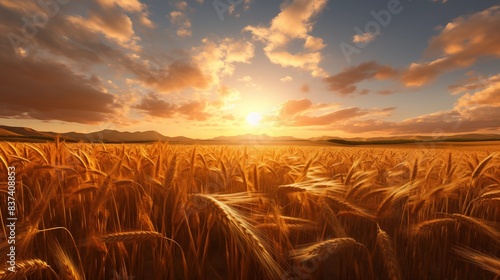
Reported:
(321, 250)
(67, 269)
(245, 235)
(484, 261)
(386, 247)
(428, 227)
(478, 225)
(23, 269)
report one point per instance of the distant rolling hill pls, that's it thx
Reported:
(415, 139)
(116, 136)
(253, 137)
(21, 131)
(113, 136)
(110, 136)
(5, 132)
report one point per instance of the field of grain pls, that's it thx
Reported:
(160, 211)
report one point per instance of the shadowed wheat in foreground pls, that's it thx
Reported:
(95, 211)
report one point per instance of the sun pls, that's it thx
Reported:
(253, 119)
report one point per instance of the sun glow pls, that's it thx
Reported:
(253, 119)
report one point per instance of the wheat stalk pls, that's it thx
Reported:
(131, 236)
(428, 227)
(23, 269)
(67, 269)
(386, 247)
(323, 249)
(484, 261)
(482, 166)
(308, 256)
(478, 225)
(244, 234)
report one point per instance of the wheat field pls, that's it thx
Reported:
(161, 211)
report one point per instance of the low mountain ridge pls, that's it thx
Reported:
(114, 136)
(106, 135)
(255, 137)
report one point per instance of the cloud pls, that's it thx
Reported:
(154, 106)
(145, 21)
(67, 39)
(478, 109)
(79, 48)
(345, 82)
(195, 110)
(219, 57)
(228, 117)
(182, 5)
(108, 18)
(294, 22)
(226, 98)
(487, 93)
(483, 115)
(245, 79)
(385, 92)
(303, 112)
(248, 81)
(180, 19)
(21, 6)
(286, 79)
(364, 38)
(228, 94)
(314, 43)
(127, 5)
(293, 107)
(178, 76)
(45, 90)
(305, 88)
(478, 112)
(113, 24)
(60, 37)
(247, 4)
(326, 119)
(337, 116)
(461, 43)
(232, 9)
(135, 7)
(83, 48)
(474, 83)
(473, 119)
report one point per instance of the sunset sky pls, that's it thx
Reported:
(299, 68)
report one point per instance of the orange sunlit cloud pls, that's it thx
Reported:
(294, 22)
(488, 93)
(38, 90)
(463, 41)
(344, 83)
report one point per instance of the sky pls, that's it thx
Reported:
(207, 68)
